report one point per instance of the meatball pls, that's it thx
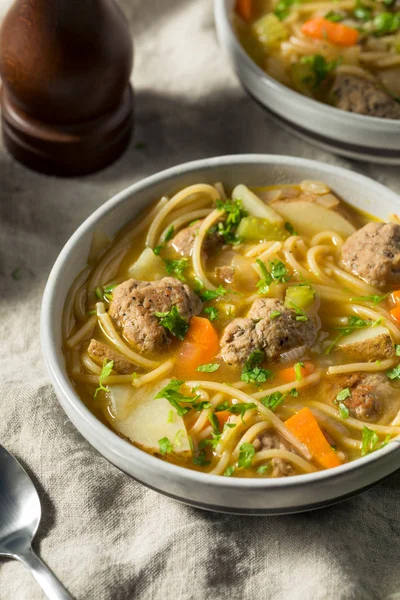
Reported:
(369, 392)
(134, 303)
(183, 241)
(100, 352)
(362, 96)
(261, 331)
(271, 440)
(239, 341)
(282, 331)
(373, 254)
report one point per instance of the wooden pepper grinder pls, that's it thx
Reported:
(66, 99)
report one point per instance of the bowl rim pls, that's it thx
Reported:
(221, 15)
(123, 448)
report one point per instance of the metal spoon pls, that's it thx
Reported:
(20, 514)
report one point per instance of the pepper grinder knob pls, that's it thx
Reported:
(66, 100)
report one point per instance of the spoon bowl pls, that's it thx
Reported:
(20, 514)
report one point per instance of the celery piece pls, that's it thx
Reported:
(301, 296)
(254, 229)
(270, 31)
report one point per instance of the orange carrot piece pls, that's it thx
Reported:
(305, 427)
(395, 297)
(200, 346)
(244, 9)
(337, 33)
(289, 374)
(395, 313)
(223, 416)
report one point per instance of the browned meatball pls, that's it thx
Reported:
(282, 331)
(260, 331)
(271, 440)
(134, 303)
(239, 341)
(183, 241)
(100, 352)
(364, 97)
(369, 392)
(373, 254)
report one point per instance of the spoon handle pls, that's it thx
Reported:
(49, 583)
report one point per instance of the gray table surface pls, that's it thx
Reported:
(104, 535)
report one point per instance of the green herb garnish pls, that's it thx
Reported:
(208, 295)
(375, 299)
(265, 278)
(252, 372)
(290, 229)
(208, 368)
(297, 369)
(263, 469)
(212, 312)
(370, 440)
(173, 322)
(165, 445)
(394, 373)
(274, 314)
(320, 69)
(240, 408)
(171, 392)
(176, 268)
(279, 271)
(283, 7)
(247, 451)
(201, 459)
(214, 422)
(272, 401)
(234, 214)
(343, 394)
(333, 16)
(229, 471)
(105, 372)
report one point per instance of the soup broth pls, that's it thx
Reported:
(240, 333)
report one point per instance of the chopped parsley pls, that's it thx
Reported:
(202, 404)
(394, 373)
(240, 408)
(105, 372)
(333, 16)
(99, 293)
(201, 459)
(176, 268)
(173, 321)
(297, 369)
(169, 234)
(229, 471)
(293, 392)
(362, 13)
(375, 299)
(387, 22)
(343, 394)
(283, 7)
(320, 69)
(370, 441)
(301, 316)
(265, 279)
(211, 312)
(223, 406)
(214, 422)
(170, 416)
(290, 229)
(272, 401)
(274, 314)
(343, 411)
(263, 469)
(252, 372)
(208, 295)
(165, 445)
(208, 368)
(172, 393)
(279, 271)
(234, 214)
(247, 451)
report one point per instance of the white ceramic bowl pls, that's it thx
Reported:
(349, 134)
(224, 494)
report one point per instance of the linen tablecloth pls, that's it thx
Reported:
(104, 535)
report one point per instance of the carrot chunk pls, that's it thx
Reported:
(223, 416)
(199, 347)
(395, 297)
(305, 427)
(289, 374)
(337, 33)
(244, 9)
(395, 313)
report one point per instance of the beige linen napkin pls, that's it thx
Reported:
(105, 536)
